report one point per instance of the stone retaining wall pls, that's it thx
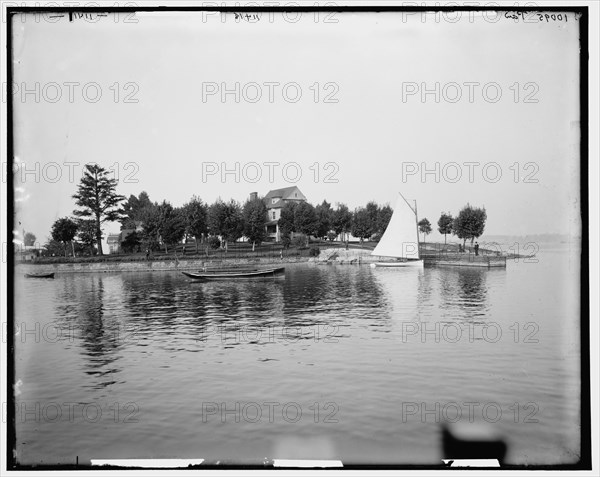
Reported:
(146, 266)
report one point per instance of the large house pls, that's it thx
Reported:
(275, 200)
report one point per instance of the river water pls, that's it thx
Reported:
(332, 362)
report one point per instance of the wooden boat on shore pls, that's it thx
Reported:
(39, 275)
(235, 274)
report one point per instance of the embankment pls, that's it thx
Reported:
(147, 266)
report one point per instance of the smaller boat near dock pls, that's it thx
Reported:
(39, 275)
(236, 274)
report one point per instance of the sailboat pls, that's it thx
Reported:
(401, 238)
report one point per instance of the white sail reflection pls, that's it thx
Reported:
(401, 291)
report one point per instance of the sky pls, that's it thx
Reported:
(332, 104)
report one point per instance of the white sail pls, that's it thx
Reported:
(400, 239)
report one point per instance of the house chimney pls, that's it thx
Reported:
(253, 195)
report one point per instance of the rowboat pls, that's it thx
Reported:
(400, 241)
(39, 275)
(228, 274)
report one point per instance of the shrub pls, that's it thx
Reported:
(314, 251)
(299, 241)
(131, 243)
(214, 242)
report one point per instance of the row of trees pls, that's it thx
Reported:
(160, 224)
(167, 225)
(469, 224)
(221, 222)
(229, 221)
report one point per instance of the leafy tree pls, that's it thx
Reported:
(424, 227)
(87, 233)
(234, 223)
(362, 224)
(165, 225)
(80, 248)
(305, 219)
(225, 219)
(54, 248)
(341, 220)
(97, 197)
(216, 216)
(383, 219)
(195, 219)
(324, 214)
(64, 230)
(135, 210)
(469, 224)
(445, 224)
(132, 242)
(373, 212)
(255, 219)
(173, 227)
(29, 239)
(286, 222)
(299, 241)
(151, 227)
(286, 240)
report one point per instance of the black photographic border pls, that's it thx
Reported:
(585, 461)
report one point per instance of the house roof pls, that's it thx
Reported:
(277, 205)
(285, 194)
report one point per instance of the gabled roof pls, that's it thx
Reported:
(277, 205)
(284, 193)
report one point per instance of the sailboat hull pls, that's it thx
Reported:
(408, 263)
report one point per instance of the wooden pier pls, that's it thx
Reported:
(451, 259)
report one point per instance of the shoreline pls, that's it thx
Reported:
(147, 266)
(337, 255)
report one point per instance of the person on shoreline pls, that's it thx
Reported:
(476, 248)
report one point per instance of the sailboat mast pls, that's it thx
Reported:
(417, 225)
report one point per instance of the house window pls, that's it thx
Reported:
(295, 194)
(273, 200)
(274, 215)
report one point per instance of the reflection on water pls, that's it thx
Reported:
(353, 344)
(464, 290)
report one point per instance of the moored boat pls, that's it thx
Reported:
(233, 274)
(39, 275)
(400, 241)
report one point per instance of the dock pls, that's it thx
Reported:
(455, 259)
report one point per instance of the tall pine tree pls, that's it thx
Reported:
(97, 198)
